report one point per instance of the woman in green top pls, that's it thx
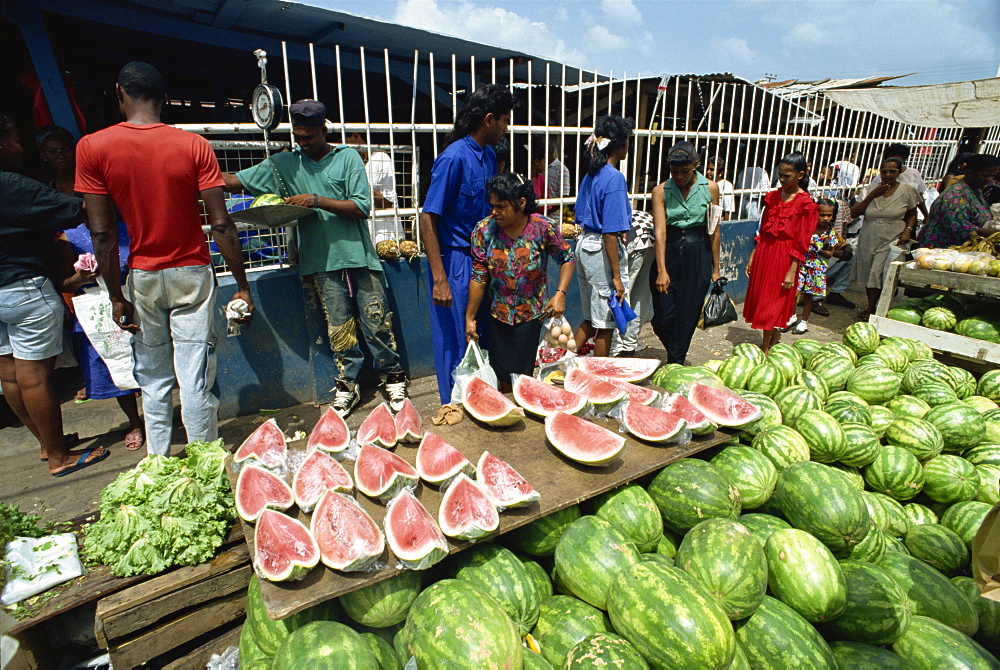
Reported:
(687, 255)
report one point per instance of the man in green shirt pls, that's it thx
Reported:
(335, 248)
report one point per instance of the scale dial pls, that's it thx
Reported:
(266, 107)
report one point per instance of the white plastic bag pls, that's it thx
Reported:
(38, 564)
(113, 345)
(475, 363)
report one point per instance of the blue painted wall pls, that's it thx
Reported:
(284, 358)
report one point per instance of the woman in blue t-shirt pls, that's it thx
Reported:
(604, 212)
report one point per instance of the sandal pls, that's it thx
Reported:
(135, 439)
(82, 462)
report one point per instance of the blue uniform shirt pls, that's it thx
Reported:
(602, 204)
(457, 193)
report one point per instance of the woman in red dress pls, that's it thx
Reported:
(786, 228)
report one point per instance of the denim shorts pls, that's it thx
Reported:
(594, 278)
(31, 319)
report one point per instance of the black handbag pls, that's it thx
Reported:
(719, 308)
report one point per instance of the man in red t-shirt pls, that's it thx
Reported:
(156, 174)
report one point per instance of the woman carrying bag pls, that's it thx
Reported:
(687, 252)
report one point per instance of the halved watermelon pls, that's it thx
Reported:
(330, 433)
(484, 403)
(466, 512)
(640, 394)
(266, 444)
(284, 549)
(379, 427)
(412, 534)
(722, 406)
(502, 484)
(649, 423)
(379, 473)
(581, 440)
(409, 427)
(317, 474)
(347, 537)
(257, 489)
(542, 399)
(623, 369)
(602, 392)
(438, 461)
(675, 403)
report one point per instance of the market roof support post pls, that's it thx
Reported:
(156, 175)
(335, 248)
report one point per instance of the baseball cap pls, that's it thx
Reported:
(308, 113)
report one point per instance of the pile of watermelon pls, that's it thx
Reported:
(949, 313)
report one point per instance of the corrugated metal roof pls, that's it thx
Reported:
(794, 88)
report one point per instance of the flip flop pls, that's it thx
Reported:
(82, 462)
(70, 441)
(136, 442)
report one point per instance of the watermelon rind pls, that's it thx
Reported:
(409, 426)
(563, 621)
(860, 656)
(604, 649)
(722, 406)
(266, 444)
(347, 537)
(776, 636)
(632, 511)
(301, 557)
(540, 537)
(384, 603)
(877, 611)
(438, 462)
(406, 511)
(503, 484)
(497, 571)
(258, 489)
(330, 433)
(487, 405)
(691, 490)
(803, 574)
(324, 644)
(540, 578)
(649, 423)
(697, 422)
(750, 471)
(466, 512)
(987, 609)
(965, 518)
(589, 554)
(670, 618)
(379, 473)
(541, 399)
(762, 525)
(581, 440)
(932, 644)
(930, 592)
(938, 546)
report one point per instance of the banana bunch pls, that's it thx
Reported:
(990, 244)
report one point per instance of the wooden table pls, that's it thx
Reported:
(560, 481)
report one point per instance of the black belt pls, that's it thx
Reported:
(695, 234)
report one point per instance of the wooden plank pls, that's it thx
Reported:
(198, 657)
(162, 588)
(888, 295)
(560, 482)
(951, 343)
(149, 613)
(172, 634)
(959, 282)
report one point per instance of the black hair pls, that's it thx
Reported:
(487, 99)
(50, 132)
(682, 153)
(981, 162)
(959, 161)
(7, 126)
(798, 163)
(511, 187)
(892, 159)
(613, 128)
(142, 81)
(502, 148)
(829, 202)
(897, 149)
(719, 164)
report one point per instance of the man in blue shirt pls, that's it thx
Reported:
(455, 203)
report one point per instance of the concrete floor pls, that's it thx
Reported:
(27, 483)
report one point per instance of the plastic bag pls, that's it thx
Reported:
(227, 660)
(551, 345)
(475, 363)
(38, 564)
(719, 308)
(622, 312)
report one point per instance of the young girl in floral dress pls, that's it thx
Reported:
(786, 229)
(812, 271)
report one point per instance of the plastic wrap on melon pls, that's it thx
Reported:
(659, 426)
(424, 545)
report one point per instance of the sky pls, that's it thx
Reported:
(939, 40)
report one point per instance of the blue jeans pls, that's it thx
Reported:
(351, 298)
(838, 276)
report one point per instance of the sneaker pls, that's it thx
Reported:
(788, 326)
(800, 328)
(839, 299)
(346, 398)
(820, 308)
(395, 387)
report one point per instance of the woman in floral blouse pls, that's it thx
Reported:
(961, 209)
(510, 250)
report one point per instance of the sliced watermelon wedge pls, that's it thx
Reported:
(412, 534)
(622, 369)
(284, 549)
(347, 537)
(542, 399)
(438, 461)
(640, 394)
(486, 404)
(649, 423)
(722, 406)
(258, 489)
(318, 473)
(379, 473)
(266, 444)
(675, 403)
(502, 484)
(466, 512)
(330, 433)
(409, 426)
(601, 392)
(582, 441)
(379, 427)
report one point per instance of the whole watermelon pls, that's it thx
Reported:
(895, 472)
(872, 548)
(939, 318)
(269, 634)
(762, 525)
(589, 555)
(862, 338)
(633, 511)
(989, 385)
(814, 382)
(689, 490)
(727, 560)
(770, 413)
(875, 385)
(824, 435)
(898, 521)
(932, 644)
(751, 471)
(383, 603)
(670, 618)
(324, 644)
(961, 426)
(562, 622)
(987, 609)
(540, 578)
(862, 445)
(950, 479)
(905, 314)
(803, 574)
(782, 445)
(908, 407)
(930, 592)
(918, 514)
(497, 571)
(734, 372)
(604, 649)
(767, 379)
(776, 636)
(540, 537)
(877, 611)
(965, 518)
(750, 351)
(251, 655)
(452, 621)
(920, 438)
(383, 652)
(859, 656)
(794, 400)
(938, 546)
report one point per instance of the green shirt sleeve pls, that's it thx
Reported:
(356, 181)
(258, 179)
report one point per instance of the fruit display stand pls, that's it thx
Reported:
(560, 483)
(982, 288)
